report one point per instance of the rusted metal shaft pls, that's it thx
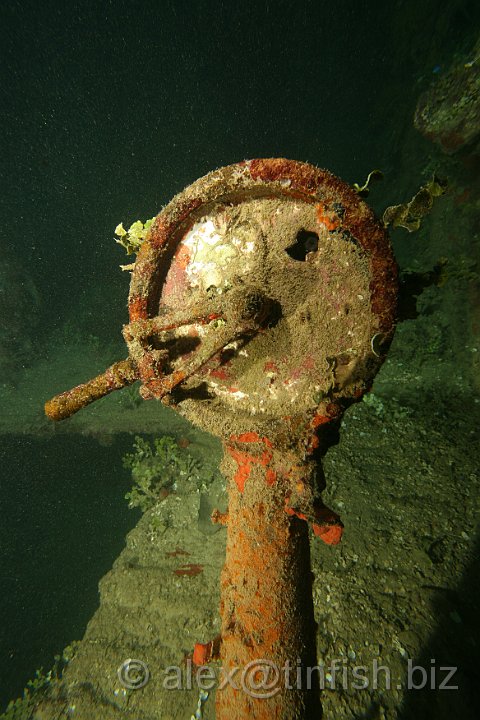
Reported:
(268, 628)
(115, 377)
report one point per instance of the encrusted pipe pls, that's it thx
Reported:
(115, 377)
(268, 628)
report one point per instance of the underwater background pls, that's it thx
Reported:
(108, 110)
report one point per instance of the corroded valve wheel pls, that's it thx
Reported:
(320, 266)
(261, 304)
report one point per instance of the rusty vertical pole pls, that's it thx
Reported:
(268, 627)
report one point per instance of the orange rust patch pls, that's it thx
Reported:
(326, 217)
(165, 224)
(303, 178)
(270, 366)
(188, 570)
(182, 257)
(319, 420)
(246, 461)
(219, 373)
(158, 232)
(330, 534)
(270, 477)
(137, 308)
(246, 437)
(326, 524)
(204, 652)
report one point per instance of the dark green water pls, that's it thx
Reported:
(63, 521)
(110, 109)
